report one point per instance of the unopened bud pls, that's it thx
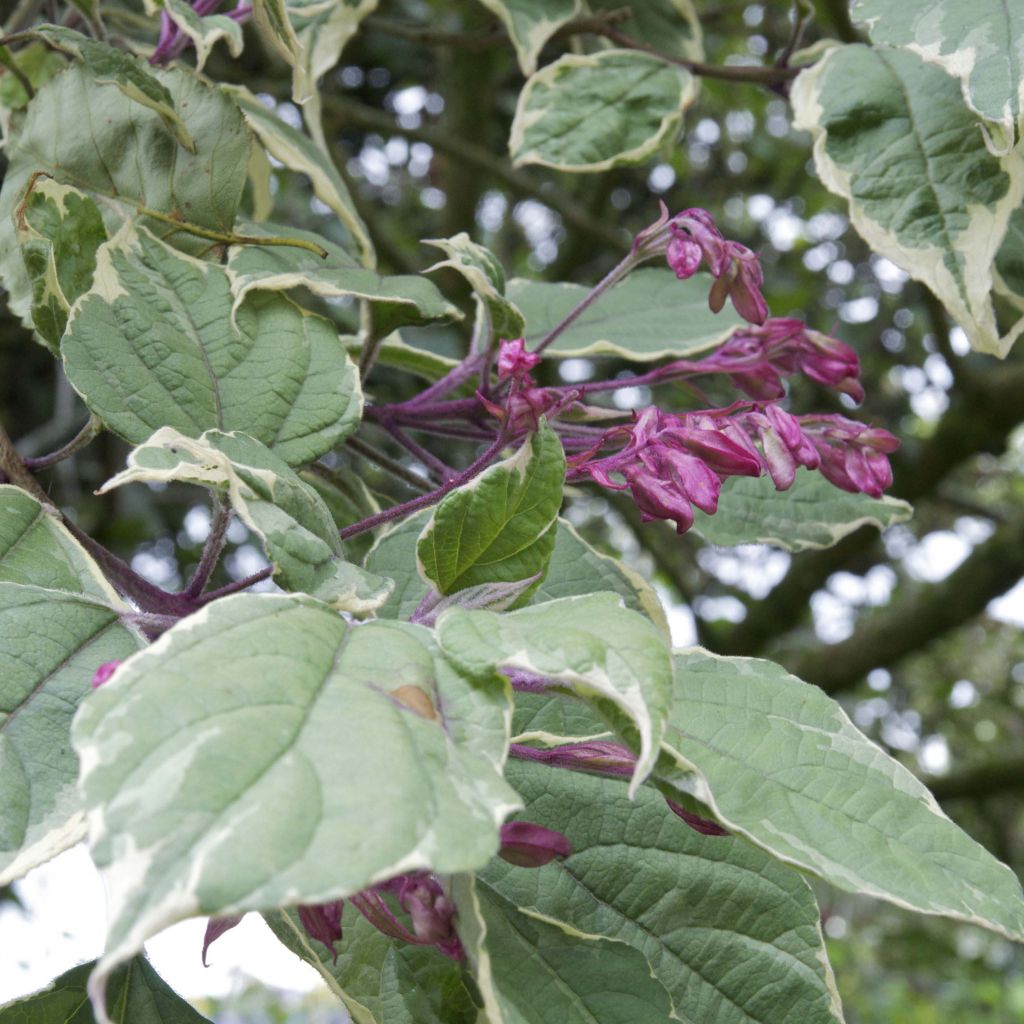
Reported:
(531, 846)
(103, 673)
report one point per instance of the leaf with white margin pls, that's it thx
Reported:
(382, 980)
(59, 230)
(486, 276)
(398, 300)
(670, 26)
(298, 152)
(981, 42)
(531, 23)
(266, 722)
(110, 66)
(733, 935)
(36, 549)
(289, 517)
(591, 645)
(811, 514)
(123, 153)
(136, 995)
(553, 719)
(592, 112)
(650, 315)
(533, 971)
(275, 28)
(152, 344)
(51, 643)
(500, 527)
(1009, 268)
(892, 137)
(780, 762)
(205, 31)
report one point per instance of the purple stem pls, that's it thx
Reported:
(448, 383)
(428, 458)
(233, 588)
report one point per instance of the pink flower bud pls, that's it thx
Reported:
(322, 922)
(514, 360)
(103, 673)
(531, 846)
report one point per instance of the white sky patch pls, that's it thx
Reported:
(936, 555)
(572, 371)
(963, 695)
(681, 623)
(933, 756)
(859, 311)
(1010, 607)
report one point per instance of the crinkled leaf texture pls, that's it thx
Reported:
(51, 643)
(592, 646)
(499, 527)
(268, 723)
(285, 512)
(152, 344)
(136, 995)
(892, 137)
(780, 762)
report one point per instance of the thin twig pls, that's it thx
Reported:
(428, 458)
(8, 61)
(803, 12)
(14, 469)
(212, 548)
(91, 430)
(375, 455)
(233, 588)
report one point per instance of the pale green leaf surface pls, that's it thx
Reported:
(811, 514)
(36, 549)
(552, 719)
(205, 31)
(650, 315)
(295, 526)
(136, 995)
(670, 26)
(782, 764)
(892, 137)
(591, 645)
(731, 933)
(51, 643)
(531, 971)
(266, 722)
(59, 230)
(1009, 268)
(981, 42)
(531, 23)
(393, 555)
(591, 112)
(348, 499)
(152, 345)
(500, 526)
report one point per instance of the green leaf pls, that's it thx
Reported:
(152, 345)
(532, 971)
(592, 112)
(383, 980)
(51, 643)
(267, 722)
(300, 153)
(591, 646)
(38, 63)
(670, 26)
(499, 527)
(1009, 268)
(136, 995)
(271, 17)
(205, 31)
(732, 934)
(36, 549)
(397, 300)
(394, 555)
(780, 763)
(892, 137)
(531, 23)
(650, 315)
(552, 719)
(110, 66)
(122, 152)
(811, 514)
(348, 499)
(59, 230)
(482, 269)
(289, 517)
(980, 42)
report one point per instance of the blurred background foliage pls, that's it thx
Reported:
(918, 632)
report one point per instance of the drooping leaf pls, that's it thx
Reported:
(300, 153)
(51, 643)
(271, 17)
(531, 971)
(136, 995)
(591, 112)
(152, 344)
(289, 517)
(36, 549)
(499, 527)
(205, 31)
(650, 315)
(981, 42)
(482, 269)
(670, 26)
(531, 23)
(59, 230)
(732, 934)
(591, 646)
(892, 137)
(397, 300)
(287, 738)
(811, 514)
(782, 764)
(122, 151)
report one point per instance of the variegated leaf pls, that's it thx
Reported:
(670, 26)
(205, 31)
(531, 23)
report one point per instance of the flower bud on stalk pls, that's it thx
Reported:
(531, 846)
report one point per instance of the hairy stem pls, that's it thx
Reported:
(91, 430)
(212, 548)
